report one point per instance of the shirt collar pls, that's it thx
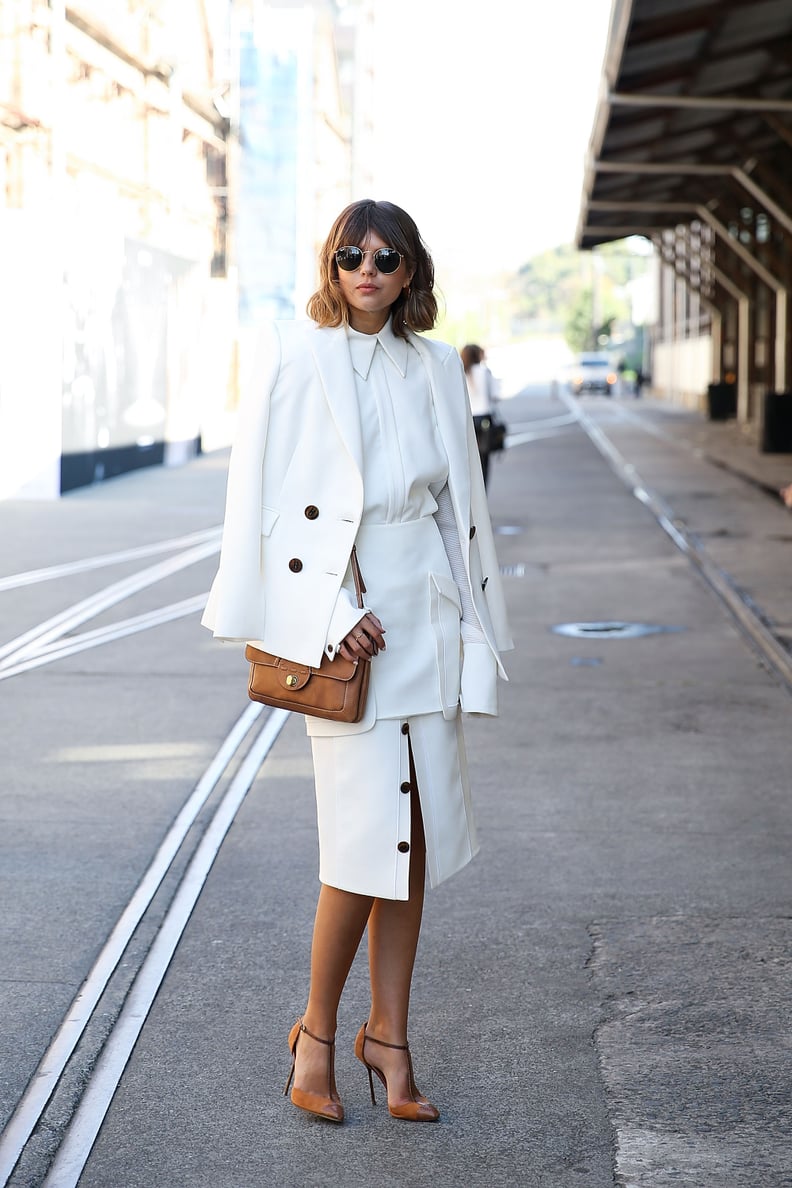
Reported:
(363, 346)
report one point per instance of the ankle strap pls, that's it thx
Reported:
(318, 1038)
(383, 1044)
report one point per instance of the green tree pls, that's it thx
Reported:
(578, 328)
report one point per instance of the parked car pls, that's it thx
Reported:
(592, 373)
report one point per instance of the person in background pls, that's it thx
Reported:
(355, 430)
(786, 495)
(482, 395)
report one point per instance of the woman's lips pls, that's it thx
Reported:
(367, 288)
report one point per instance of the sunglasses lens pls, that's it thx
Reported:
(387, 260)
(349, 258)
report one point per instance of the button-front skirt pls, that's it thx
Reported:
(362, 772)
(363, 804)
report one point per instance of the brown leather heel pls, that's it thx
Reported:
(329, 1106)
(418, 1108)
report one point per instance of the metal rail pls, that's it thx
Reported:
(770, 648)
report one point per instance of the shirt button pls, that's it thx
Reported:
(403, 847)
(295, 565)
(405, 728)
(311, 512)
(406, 787)
(472, 531)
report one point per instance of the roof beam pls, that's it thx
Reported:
(674, 25)
(697, 210)
(701, 102)
(623, 230)
(739, 249)
(684, 169)
(782, 130)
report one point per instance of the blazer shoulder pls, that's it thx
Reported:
(292, 331)
(441, 353)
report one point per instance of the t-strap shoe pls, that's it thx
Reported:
(323, 1105)
(417, 1108)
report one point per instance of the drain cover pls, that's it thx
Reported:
(610, 629)
(508, 530)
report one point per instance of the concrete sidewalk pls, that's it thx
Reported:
(600, 998)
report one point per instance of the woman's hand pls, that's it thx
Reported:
(364, 640)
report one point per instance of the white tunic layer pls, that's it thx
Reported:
(415, 681)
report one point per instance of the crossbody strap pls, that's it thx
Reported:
(360, 588)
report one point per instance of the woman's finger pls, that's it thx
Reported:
(374, 630)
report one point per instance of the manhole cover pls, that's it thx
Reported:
(512, 570)
(611, 629)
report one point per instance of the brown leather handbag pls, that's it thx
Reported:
(335, 690)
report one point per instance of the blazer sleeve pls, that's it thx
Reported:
(233, 610)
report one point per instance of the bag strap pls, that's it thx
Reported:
(360, 588)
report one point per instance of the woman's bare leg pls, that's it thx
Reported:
(338, 928)
(393, 931)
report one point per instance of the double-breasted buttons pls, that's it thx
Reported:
(295, 565)
(403, 847)
(472, 531)
(311, 512)
(405, 728)
(406, 787)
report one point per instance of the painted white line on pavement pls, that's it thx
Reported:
(101, 635)
(34, 1101)
(770, 648)
(32, 576)
(75, 1149)
(33, 640)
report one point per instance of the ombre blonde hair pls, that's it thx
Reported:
(414, 310)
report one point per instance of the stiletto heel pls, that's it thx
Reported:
(371, 1086)
(328, 1107)
(418, 1108)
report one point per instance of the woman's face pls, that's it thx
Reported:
(368, 293)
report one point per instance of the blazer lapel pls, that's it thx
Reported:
(330, 350)
(452, 424)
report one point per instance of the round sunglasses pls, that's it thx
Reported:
(386, 260)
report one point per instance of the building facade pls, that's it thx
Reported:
(118, 309)
(168, 170)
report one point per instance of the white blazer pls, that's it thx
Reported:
(295, 501)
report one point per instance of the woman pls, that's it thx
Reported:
(481, 394)
(358, 432)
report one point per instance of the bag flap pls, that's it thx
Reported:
(291, 675)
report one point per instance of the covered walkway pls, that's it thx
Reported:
(692, 148)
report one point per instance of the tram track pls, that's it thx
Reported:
(77, 1078)
(748, 617)
(49, 1136)
(42, 644)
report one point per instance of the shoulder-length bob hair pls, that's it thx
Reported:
(415, 309)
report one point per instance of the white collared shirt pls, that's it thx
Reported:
(404, 463)
(405, 468)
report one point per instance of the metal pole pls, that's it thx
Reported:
(780, 362)
(699, 102)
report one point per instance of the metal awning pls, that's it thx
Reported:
(695, 112)
(692, 148)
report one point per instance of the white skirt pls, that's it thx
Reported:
(364, 806)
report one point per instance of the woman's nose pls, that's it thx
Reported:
(368, 264)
